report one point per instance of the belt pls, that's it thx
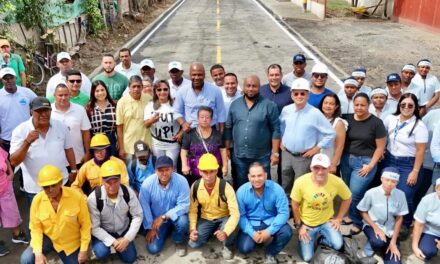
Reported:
(295, 154)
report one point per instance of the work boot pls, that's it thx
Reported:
(227, 253)
(270, 260)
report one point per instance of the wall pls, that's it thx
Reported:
(423, 13)
(316, 7)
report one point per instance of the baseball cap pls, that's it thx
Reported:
(141, 149)
(299, 58)
(391, 173)
(40, 103)
(147, 62)
(320, 160)
(320, 68)
(4, 42)
(63, 55)
(393, 77)
(437, 182)
(300, 84)
(163, 162)
(6, 71)
(175, 65)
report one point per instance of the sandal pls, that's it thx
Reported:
(355, 232)
(346, 222)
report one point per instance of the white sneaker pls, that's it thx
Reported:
(270, 260)
(181, 249)
(227, 253)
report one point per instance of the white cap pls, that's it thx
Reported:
(175, 65)
(147, 62)
(63, 55)
(6, 71)
(320, 68)
(300, 84)
(437, 182)
(409, 67)
(320, 160)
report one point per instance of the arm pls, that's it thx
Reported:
(296, 212)
(378, 152)
(224, 155)
(137, 216)
(18, 154)
(80, 178)
(420, 154)
(86, 143)
(120, 136)
(70, 156)
(234, 212)
(377, 231)
(23, 78)
(36, 228)
(433, 100)
(282, 216)
(144, 198)
(184, 158)
(339, 143)
(435, 144)
(417, 233)
(182, 205)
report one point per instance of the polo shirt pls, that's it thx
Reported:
(428, 213)
(290, 77)
(280, 97)
(174, 88)
(384, 210)
(14, 109)
(58, 78)
(315, 99)
(43, 151)
(15, 62)
(428, 86)
(134, 69)
(229, 99)
(81, 99)
(76, 121)
(116, 84)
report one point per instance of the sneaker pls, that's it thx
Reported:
(20, 238)
(368, 250)
(3, 249)
(270, 260)
(227, 253)
(181, 249)
(404, 233)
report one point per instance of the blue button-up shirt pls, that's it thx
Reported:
(252, 129)
(304, 129)
(188, 103)
(272, 208)
(140, 173)
(280, 97)
(173, 200)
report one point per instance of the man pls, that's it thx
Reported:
(230, 91)
(176, 80)
(148, 70)
(305, 132)
(164, 197)
(75, 118)
(191, 97)
(299, 70)
(59, 221)
(116, 83)
(319, 78)
(346, 95)
(39, 141)
(129, 119)
(65, 63)
(312, 205)
(254, 128)
(275, 90)
(213, 208)
(116, 215)
(218, 75)
(394, 90)
(264, 211)
(406, 75)
(427, 83)
(14, 61)
(126, 67)
(14, 105)
(73, 82)
(360, 75)
(141, 166)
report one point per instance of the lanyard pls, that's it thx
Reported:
(397, 128)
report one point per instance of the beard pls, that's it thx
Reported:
(252, 97)
(110, 70)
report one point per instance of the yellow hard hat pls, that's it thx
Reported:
(208, 162)
(110, 168)
(99, 141)
(49, 175)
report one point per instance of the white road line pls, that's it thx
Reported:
(297, 42)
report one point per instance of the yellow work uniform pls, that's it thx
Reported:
(210, 209)
(69, 228)
(90, 172)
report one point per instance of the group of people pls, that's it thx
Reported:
(126, 153)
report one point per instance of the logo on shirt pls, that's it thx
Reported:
(319, 201)
(22, 101)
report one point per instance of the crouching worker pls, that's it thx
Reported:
(59, 221)
(141, 165)
(164, 197)
(116, 215)
(213, 208)
(312, 205)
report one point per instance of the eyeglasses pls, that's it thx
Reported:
(162, 90)
(317, 75)
(299, 93)
(75, 81)
(409, 106)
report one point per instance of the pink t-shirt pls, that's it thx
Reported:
(4, 182)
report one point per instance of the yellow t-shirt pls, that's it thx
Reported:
(316, 203)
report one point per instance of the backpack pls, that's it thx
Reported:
(326, 255)
(100, 203)
(222, 195)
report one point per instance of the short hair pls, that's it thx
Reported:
(274, 66)
(134, 79)
(60, 86)
(108, 55)
(256, 164)
(124, 50)
(205, 108)
(73, 72)
(233, 75)
(216, 66)
(363, 95)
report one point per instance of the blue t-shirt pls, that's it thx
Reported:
(315, 99)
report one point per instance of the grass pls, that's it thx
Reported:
(337, 5)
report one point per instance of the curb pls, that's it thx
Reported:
(129, 44)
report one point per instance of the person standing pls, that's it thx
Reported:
(148, 70)
(427, 83)
(274, 90)
(127, 67)
(14, 61)
(360, 74)
(346, 95)
(230, 91)
(116, 83)
(299, 70)
(176, 80)
(379, 106)
(73, 82)
(218, 75)
(319, 79)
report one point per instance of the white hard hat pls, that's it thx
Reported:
(320, 68)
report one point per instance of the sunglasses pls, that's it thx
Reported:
(409, 106)
(162, 90)
(298, 63)
(75, 81)
(299, 93)
(322, 75)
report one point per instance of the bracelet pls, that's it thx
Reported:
(276, 154)
(73, 171)
(29, 143)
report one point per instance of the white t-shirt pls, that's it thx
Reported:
(400, 144)
(135, 69)
(175, 88)
(431, 120)
(76, 120)
(427, 87)
(58, 78)
(166, 128)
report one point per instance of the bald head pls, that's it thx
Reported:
(197, 75)
(251, 87)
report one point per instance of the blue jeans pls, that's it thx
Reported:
(405, 165)
(245, 243)
(242, 167)
(381, 246)
(206, 229)
(29, 198)
(330, 238)
(28, 257)
(428, 246)
(102, 252)
(178, 230)
(350, 167)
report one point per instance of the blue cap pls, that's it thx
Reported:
(163, 161)
(393, 77)
(299, 58)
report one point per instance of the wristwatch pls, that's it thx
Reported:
(73, 171)
(276, 154)
(297, 225)
(164, 217)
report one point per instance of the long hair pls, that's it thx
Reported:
(92, 101)
(337, 112)
(156, 103)
(416, 109)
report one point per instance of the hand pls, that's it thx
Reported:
(282, 147)
(257, 237)
(122, 244)
(332, 169)
(437, 242)
(366, 168)
(178, 137)
(311, 152)
(418, 253)
(151, 235)
(72, 178)
(303, 235)
(32, 136)
(380, 234)
(412, 178)
(225, 170)
(395, 253)
(157, 223)
(186, 127)
(264, 235)
(82, 257)
(155, 118)
(194, 235)
(40, 258)
(122, 154)
(335, 223)
(274, 159)
(185, 169)
(221, 235)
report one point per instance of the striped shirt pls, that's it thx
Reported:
(103, 122)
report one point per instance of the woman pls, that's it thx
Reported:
(101, 110)
(407, 138)
(158, 117)
(382, 210)
(147, 86)
(200, 140)
(364, 145)
(379, 106)
(426, 232)
(330, 106)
